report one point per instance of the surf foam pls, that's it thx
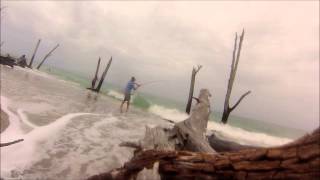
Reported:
(166, 113)
(20, 155)
(115, 94)
(224, 131)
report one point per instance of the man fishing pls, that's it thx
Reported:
(131, 85)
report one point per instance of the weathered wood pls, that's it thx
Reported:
(8, 60)
(244, 164)
(221, 145)
(22, 61)
(10, 143)
(34, 53)
(193, 77)
(186, 135)
(234, 66)
(93, 83)
(46, 56)
(103, 75)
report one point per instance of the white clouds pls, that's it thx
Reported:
(163, 40)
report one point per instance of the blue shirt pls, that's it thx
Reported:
(129, 87)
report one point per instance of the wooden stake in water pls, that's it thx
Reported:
(96, 75)
(34, 53)
(47, 56)
(103, 75)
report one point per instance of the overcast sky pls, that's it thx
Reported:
(279, 61)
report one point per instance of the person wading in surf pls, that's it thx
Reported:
(131, 85)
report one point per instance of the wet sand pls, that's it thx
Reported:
(4, 121)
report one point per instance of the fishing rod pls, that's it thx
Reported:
(146, 83)
(150, 82)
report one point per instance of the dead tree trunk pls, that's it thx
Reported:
(297, 160)
(234, 65)
(34, 53)
(47, 56)
(93, 83)
(103, 76)
(193, 77)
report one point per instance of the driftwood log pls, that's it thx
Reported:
(8, 60)
(186, 135)
(297, 160)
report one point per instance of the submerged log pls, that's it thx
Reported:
(297, 160)
(221, 145)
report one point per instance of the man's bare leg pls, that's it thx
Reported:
(128, 103)
(121, 106)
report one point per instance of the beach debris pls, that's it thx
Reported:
(195, 70)
(22, 61)
(46, 56)
(34, 53)
(8, 60)
(234, 65)
(297, 160)
(10, 143)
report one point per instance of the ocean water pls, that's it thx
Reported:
(72, 133)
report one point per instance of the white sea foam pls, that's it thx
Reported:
(115, 94)
(19, 155)
(246, 137)
(24, 119)
(13, 131)
(166, 113)
(224, 130)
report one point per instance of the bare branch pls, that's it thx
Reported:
(10, 143)
(198, 68)
(243, 96)
(238, 56)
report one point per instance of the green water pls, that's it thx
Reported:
(145, 100)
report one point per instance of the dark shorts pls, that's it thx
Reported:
(127, 97)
